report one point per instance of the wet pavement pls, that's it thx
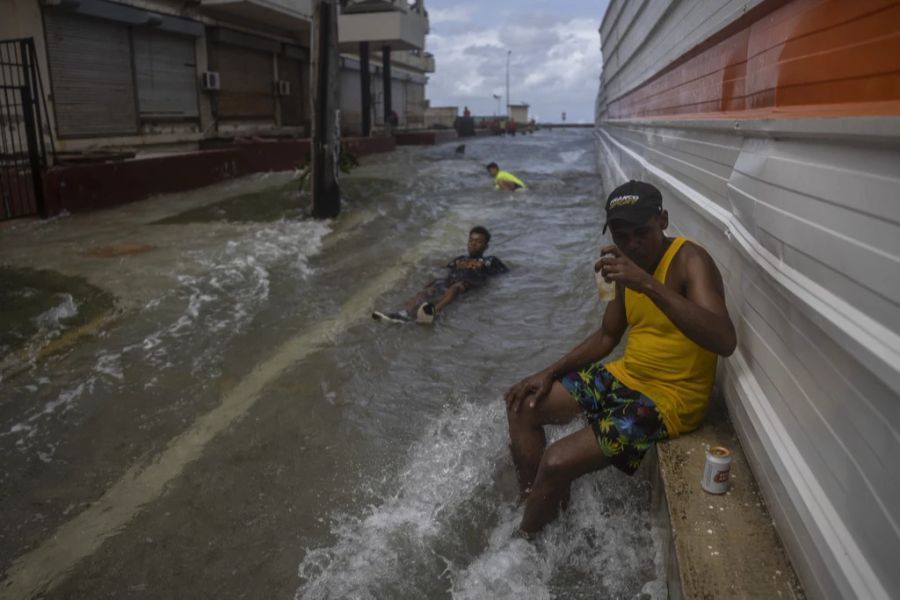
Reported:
(243, 429)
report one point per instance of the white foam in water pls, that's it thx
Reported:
(510, 567)
(49, 326)
(570, 157)
(233, 285)
(376, 551)
(109, 365)
(220, 299)
(600, 547)
(66, 309)
(413, 544)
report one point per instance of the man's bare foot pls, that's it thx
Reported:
(518, 534)
(523, 495)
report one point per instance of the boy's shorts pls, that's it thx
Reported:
(625, 421)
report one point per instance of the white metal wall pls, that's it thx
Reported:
(803, 219)
(807, 234)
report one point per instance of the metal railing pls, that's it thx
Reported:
(24, 152)
(362, 6)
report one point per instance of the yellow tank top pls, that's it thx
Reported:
(661, 362)
(507, 176)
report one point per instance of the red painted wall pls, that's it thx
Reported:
(787, 59)
(77, 188)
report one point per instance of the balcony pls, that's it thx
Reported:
(414, 60)
(398, 24)
(286, 15)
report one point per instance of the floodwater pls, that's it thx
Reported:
(242, 418)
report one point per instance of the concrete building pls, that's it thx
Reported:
(142, 73)
(145, 78)
(161, 73)
(519, 113)
(396, 29)
(442, 117)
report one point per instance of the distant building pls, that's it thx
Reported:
(519, 112)
(394, 29)
(442, 117)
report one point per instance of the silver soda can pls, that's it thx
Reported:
(717, 471)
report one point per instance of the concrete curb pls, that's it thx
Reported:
(716, 546)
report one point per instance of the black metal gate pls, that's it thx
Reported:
(24, 153)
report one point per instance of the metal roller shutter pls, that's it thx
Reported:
(398, 100)
(415, 104)
(350, 102)
(247, 83)
(166, 71)
(91, 75)
(289, 69)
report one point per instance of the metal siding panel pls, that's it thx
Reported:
(841, 414)
(415, 115)
(166, 71)
(91, 75)
(398, 100)
(350, 100)
(832, 432)
(853, 254)
(660, 35)
(289, 69)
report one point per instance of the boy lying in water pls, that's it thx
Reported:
(467, 272)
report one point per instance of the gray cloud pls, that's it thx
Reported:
(555, 65)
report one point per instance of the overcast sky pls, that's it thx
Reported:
(555, 61)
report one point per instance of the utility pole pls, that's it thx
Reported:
(326, 134)
(508, 53)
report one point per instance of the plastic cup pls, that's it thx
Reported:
(606, 291)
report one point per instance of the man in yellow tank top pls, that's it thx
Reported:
(504, 180)
(670, 296)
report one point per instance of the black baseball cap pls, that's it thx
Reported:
(634, 202)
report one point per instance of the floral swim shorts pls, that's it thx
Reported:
(626, 422)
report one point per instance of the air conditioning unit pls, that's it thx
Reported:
(209, 81)
(283, 88)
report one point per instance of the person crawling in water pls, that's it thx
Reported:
(466, 272)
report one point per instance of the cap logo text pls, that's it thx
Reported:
(623, 201)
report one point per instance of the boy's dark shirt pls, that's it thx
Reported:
(473, 272)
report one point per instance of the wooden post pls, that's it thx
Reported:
(366, 90)
(326, 139)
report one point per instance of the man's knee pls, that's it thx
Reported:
(556, 465)
(522, 415)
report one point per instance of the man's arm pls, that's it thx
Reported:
(596, 347)
(700, 313)
(497, 266)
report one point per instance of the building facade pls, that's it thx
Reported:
(154, 73)
(87, 81)
(389, 37)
